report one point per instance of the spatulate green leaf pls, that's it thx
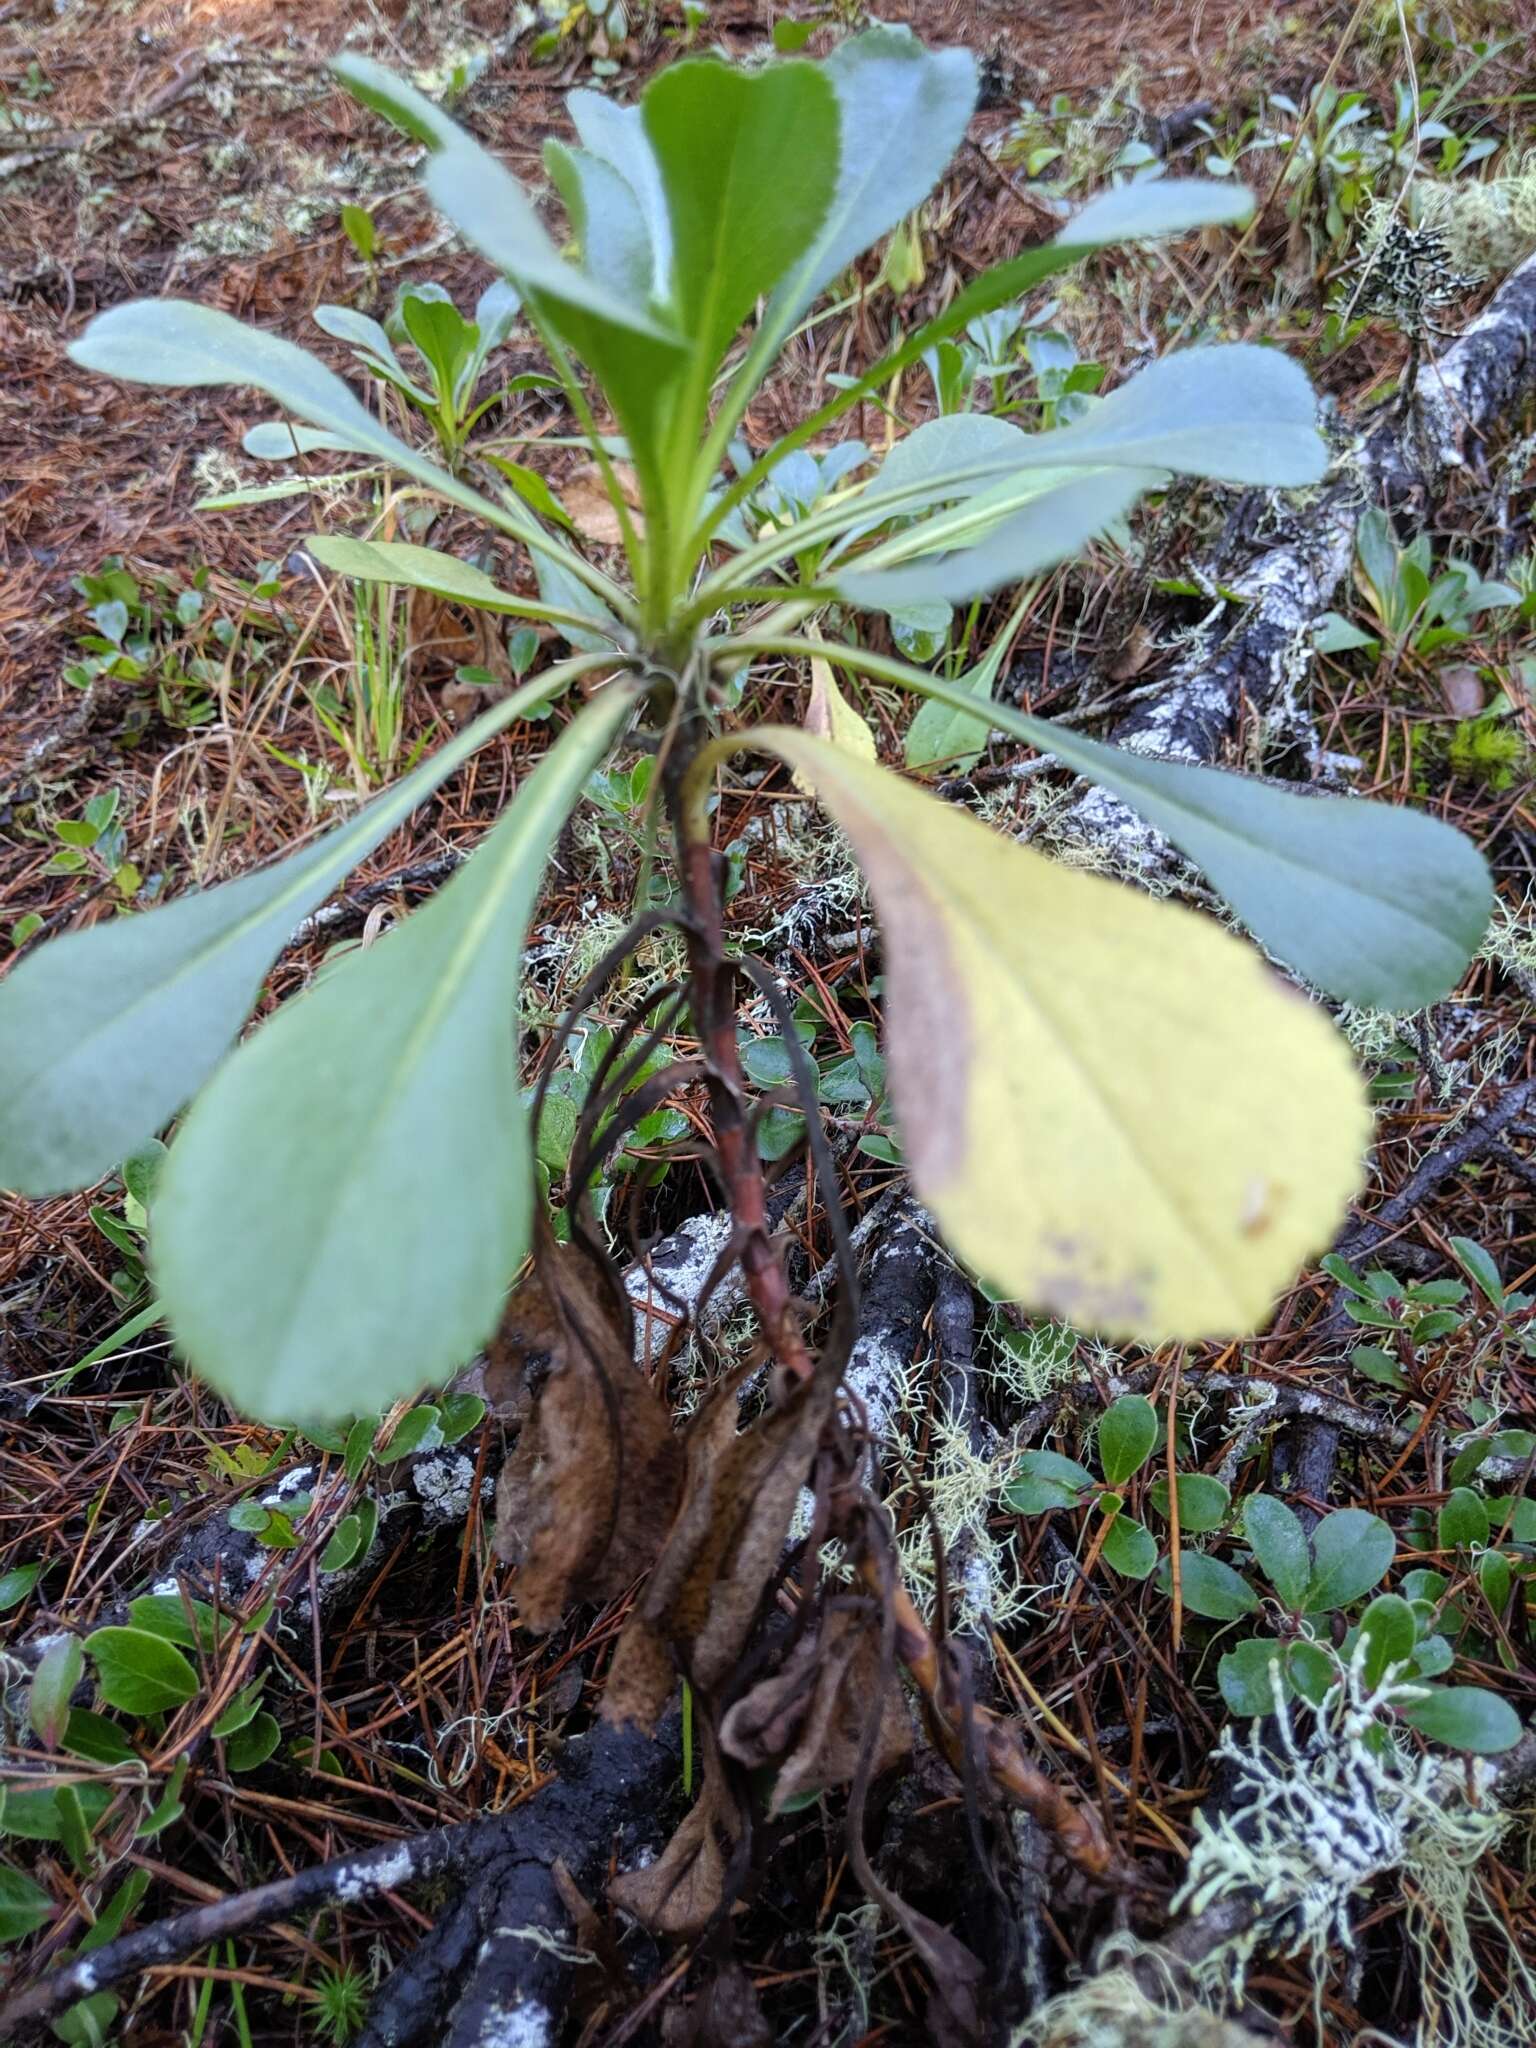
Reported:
(617, 135)
(748, 163)
(347, 1203)
(172, 341)
(1152, 208)
(104, 1034)
(1059, 513)
(606, 219)
(902, 114)
(1375, 903)
(485, 202)
(419, 568)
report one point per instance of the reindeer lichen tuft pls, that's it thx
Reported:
(1314, 1821)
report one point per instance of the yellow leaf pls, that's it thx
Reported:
(829, 716)
(1116, 1110)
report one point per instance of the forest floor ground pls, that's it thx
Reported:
(200, 150)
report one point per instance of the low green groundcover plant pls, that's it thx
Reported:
(1113, 1106)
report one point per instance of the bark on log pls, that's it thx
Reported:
(1264, 654)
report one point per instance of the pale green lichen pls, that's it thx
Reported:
(1315, 1821)
(1116, 2010)
(1488, 224)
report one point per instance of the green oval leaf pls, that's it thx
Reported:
(97, 1739)
(1390, 1630)
(1034, 1011)
(58, 1673)
(140, 1673)
(1481, 1266)
(1203, 1502)
(1127, 1433)
(1043, 1480)
(1352, 1551)
(1153, 208)
(417, 1431)
(1211, 1588)
(1280, 1546)
(1129, 1548)
(1466, 1717)
(1312, 1670)
(1463, 1519)
(250, 1746)
(24, 1906)
(18, 1582)
(1252, 1676)
(344, 1207)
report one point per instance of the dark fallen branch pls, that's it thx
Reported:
(1470, 1141)
(1298, 557)
(612, 1782)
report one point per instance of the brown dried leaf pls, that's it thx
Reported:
(814, 1713)
(684, 1887)
(583, 1503)
(585, 498)
(1140, 646)
(1463, 690)
(739, 1492)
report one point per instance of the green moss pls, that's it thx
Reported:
(1489, 751)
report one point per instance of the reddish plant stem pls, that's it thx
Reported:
(714, 1006)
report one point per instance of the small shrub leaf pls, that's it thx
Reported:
(140, 1673)
(1390, 1630)
(1280, 1546)
(1352, 1551)
(1203, 1502)
(58, 1673)
(1466, 1717)
(1127, 1433)
(1211, 1588)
